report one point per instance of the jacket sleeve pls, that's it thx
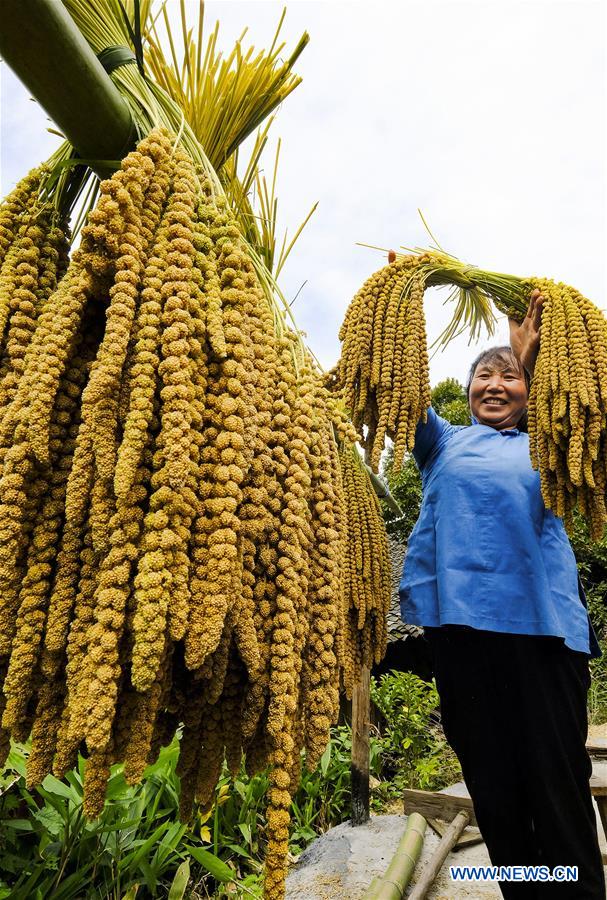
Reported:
(430, 437)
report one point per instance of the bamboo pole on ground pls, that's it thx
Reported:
(435, 862)
(392, 884)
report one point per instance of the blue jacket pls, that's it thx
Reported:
(485, 551)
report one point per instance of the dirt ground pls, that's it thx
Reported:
(340, 864)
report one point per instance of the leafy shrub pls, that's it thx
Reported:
(597, 695)
(592, 565)
(48, 849)
(138, 846)
(414, 751)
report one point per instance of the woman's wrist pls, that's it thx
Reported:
(525, 361)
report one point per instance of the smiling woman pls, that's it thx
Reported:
(491, 576)
(498, 389)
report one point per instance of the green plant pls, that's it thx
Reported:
(237, 820)
(138, 846)
(414, 751)
(324, 795)
(48, 849)
(596, 595)
(591, 559)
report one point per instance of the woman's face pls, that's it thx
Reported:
(498, 396)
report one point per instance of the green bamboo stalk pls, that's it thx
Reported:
(392, 884)
(433, 867)
(383, 492)
(47, 52)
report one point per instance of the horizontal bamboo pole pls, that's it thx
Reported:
(41, 43)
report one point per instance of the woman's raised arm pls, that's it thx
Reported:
(429, 437)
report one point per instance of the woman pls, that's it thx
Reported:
(492, 577)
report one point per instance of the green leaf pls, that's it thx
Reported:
(150, 876)
(132, 892)
(17, 760)
(23, 888)
(51, 852)
(325, 759)
(74, 779)
(239, 850)
(18, 825)
(165, 762)
(240, 788)
(117, 787)
(168, 845)
(180, 881)
(71, 888)
(119, 826)
(55, 786)
(50, 819)
(246, 831)
(217, 868)
(134, 859)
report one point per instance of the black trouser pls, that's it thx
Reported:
(513, 708)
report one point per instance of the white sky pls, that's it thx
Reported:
(490, 116)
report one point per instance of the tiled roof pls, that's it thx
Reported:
(397, 629)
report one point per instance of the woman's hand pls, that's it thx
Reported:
(525, 337)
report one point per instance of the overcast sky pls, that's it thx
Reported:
(489, 116)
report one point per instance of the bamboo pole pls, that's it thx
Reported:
(47, 52)
(435, 862)
(392, 884)
(382, 491)
(361, 709)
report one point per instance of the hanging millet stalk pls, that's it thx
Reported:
(174, 500)
(382, 374)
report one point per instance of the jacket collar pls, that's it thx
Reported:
(474, 421)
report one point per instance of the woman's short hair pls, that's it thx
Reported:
(499, 358)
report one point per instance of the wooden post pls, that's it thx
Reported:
(361, 709)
